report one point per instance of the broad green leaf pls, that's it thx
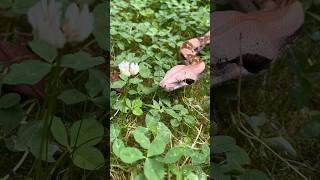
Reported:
(44, 50)
(140, 135)
(22, 6)
(218, 172)
(152, 119)
(114, 131)
(59, 131)
(88, 157)
(95, 83)
(135, 80)
(137, 103)
(47, 151)
(234, 167)
(189, 119)
(238, 154)
(283, 144)
(30, 132)
(221, 144)
(172, 113)
(10, 118)
(72, 96)
(205, 149)
(153, 169)
(197, 157)
(86, 132)
(253, 174)
(159, 143)
(144, 71)
(117, 146)
(192, 176)
(137, 111)
(9, 100)
(31, 136)
(81, 61)
(27, 72)
(173, 155)
(118, 84)
(101, 25)
(130, 155)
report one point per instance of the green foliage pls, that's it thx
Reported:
(277, 125)
(61, 128)
(28, 72)
(152, 132)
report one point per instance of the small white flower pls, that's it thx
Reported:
(45, 19)
(134, 69)
(78, 24)
(124, 68)
(128, 69)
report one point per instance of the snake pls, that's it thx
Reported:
(243, 43)
(184, 75)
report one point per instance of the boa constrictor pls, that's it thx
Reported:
(258, 36)
(184, 75)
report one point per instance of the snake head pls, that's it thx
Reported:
(181, 75)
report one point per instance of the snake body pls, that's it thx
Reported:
(258, 37)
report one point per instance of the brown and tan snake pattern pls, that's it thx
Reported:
(259, 36)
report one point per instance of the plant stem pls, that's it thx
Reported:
(17, 166)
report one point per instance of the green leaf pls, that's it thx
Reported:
(90, 133)
(135, 81)
(44, 50)
(173, 155)
(88, 157)
(101, 25)
(118, 84)
(59, 131)
(140, 135)
(253, 174)
(218, 173)
(144, 71)
(81, 61)
(47, 151)
(137, 111)
(9, 100)
(153, 169)
(10, 118)
(95, 83)
(130, 155)
(114, 131)
(72, 96)
(238, 154)
(189, 119)
(137, 103)
(222, 144)
(27, 72)
(22, 6)
(159, 143)
(282, 144)
(152, 119)
(30, 135)
(117, 146)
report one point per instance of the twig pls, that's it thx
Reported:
(193, 144)
(246, 132)
(17, 166)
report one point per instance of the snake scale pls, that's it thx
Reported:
(259, 37)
